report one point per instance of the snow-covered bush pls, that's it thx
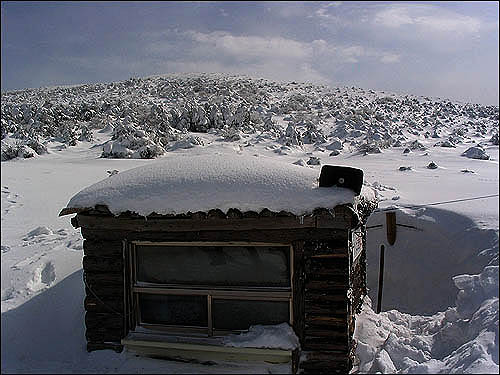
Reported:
(165, 106)
(494, 139)
(10, 150)
(416, 145)
(336, 144)
(476, 152)
(128, 140)
(184, 143)
(313, 134)
(370, 148)
(291, 136)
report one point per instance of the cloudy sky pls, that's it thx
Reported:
(440, 49)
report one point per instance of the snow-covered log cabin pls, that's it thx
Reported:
(224, 257)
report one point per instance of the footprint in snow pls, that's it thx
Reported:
(38, 231)
(7, 294)
(5, 249)
(75, 244)
(43, 277)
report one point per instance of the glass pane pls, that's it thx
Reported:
(174, 310)
(214, 265)
(241, 314)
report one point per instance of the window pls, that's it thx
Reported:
(209, 288)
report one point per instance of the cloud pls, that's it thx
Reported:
(251, 46)
(426, 18)
(389, 59)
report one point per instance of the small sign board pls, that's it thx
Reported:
(356, 244)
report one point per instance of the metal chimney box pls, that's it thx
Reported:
(348, 177)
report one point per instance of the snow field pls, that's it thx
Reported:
(440, 297)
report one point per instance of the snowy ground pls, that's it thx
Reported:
(437, 316)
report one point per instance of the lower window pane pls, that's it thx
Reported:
(174, 310)
(241, 314)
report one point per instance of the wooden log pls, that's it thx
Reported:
(101, 264)
(322, 248)
(103, 248)
(315, 343)
(267, 213)
(199, 215)
(327, 321)
(215, 214)
(250, 215)
(110, 321)
(93, 345)
(104, 291)
(325, 367)
(104, 278)
(328, 262)
(103, 335)
(234, 213)
(339, 333)
(335, 256)
(330, 278)
(326, 274)
(323, 297)
(325, 310)
(103, 305)
(279, 236)
(298, 289)
(328, 285)
(326, 363)
(322, 355)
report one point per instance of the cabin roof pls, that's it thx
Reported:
(191, 183)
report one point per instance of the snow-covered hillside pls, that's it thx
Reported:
(440, 297)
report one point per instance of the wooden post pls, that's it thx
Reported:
(380, 279)
(390, 221)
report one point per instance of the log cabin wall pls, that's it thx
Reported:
(357, 284)
(325, 345)
(321, 278)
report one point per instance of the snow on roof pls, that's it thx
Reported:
(175, 185)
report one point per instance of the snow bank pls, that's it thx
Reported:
(280, 336)
(436, 245)
(200, 183)
(462, 339)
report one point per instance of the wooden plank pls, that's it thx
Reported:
(72, 210)
(181, 225)
(390, 218)
(281, 236)
(208, 243)
(207, 352)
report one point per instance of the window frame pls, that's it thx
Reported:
(134, 288)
